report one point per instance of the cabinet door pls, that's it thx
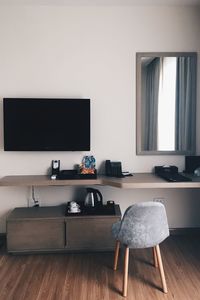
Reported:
(35, 235)
(89, 233)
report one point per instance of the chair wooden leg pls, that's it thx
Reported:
(117, 245)
(160, 265)
(155, 259)
(125, 279)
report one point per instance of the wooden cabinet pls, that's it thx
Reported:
(39, 229)
(90, 232)
(36, 229)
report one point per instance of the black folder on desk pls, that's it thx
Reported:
(174, 177)
(170, 173)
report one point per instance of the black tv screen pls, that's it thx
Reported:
(46, 124)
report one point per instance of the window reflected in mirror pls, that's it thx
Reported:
(166, 102)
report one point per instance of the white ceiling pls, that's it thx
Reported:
(100, 2)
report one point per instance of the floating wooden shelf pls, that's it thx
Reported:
(139, 180)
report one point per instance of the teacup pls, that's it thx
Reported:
(74, 207)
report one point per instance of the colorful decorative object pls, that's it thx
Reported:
(87, 165)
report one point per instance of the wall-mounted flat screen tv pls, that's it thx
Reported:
(46, 124)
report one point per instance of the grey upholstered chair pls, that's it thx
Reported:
(143, 225)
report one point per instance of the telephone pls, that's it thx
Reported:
(113, 168)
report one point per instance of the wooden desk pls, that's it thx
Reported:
(147, 181)
(138, 181)
(44, 180)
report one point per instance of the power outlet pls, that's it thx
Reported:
(160, 199)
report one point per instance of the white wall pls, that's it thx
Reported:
(48, 51)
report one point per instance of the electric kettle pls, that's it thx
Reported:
(93, 198)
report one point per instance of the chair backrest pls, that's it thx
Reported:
(144, 225)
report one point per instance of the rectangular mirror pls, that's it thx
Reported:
(166, 103)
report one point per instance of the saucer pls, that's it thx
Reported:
(74, 212)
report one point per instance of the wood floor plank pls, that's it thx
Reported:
(90, 276)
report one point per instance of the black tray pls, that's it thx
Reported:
(73, 174)
(94, 211)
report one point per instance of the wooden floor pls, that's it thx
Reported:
(90, 276)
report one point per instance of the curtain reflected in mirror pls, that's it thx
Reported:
(166, 103)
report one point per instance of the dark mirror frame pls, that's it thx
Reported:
(139, 119)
